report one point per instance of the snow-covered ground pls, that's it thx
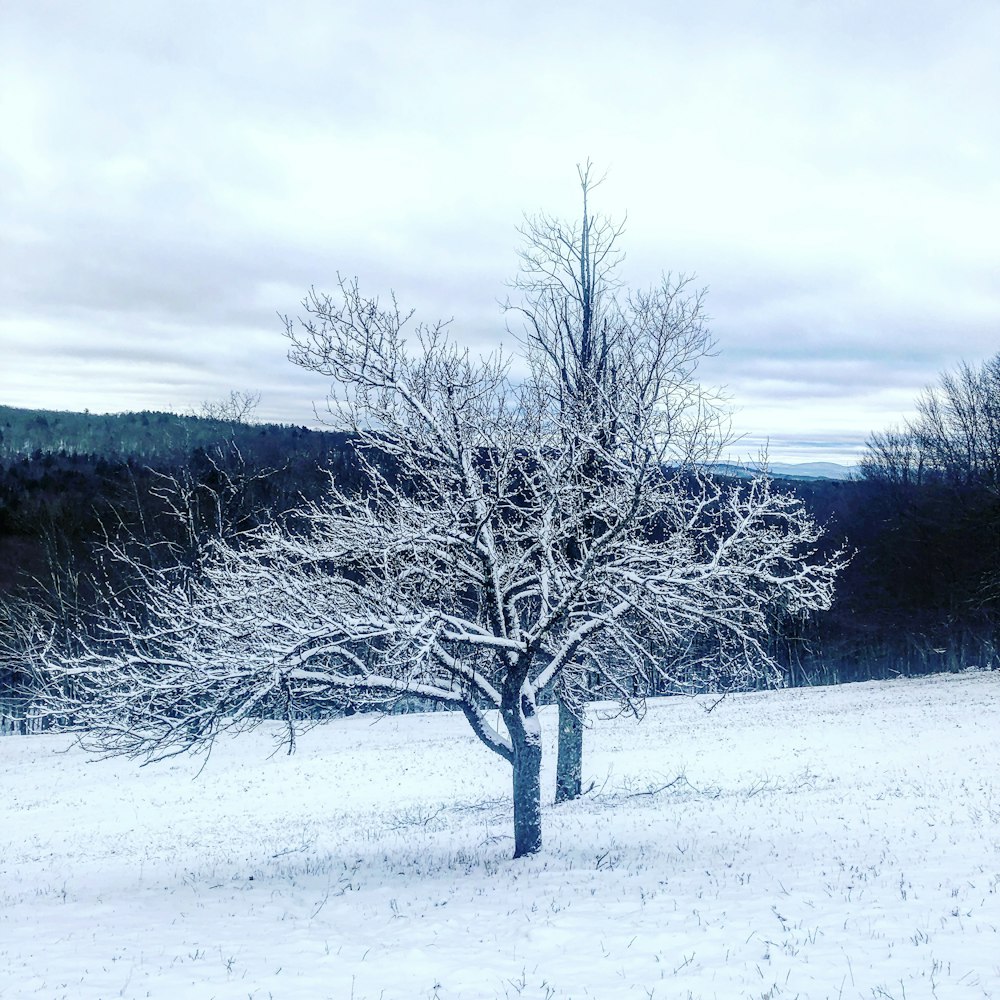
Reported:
(835, 842)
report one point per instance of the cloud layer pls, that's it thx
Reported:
(176, 174)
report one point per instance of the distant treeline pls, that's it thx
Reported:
(922, 592)
(65, 478)
(148, 437)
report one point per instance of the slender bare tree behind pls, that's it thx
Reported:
(588, 342)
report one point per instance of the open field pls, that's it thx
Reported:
(824, 843)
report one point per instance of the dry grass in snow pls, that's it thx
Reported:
(825, 843)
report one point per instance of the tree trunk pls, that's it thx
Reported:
(521, 716)
(527, 798)
(569, 762)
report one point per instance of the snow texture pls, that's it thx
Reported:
(826, 843)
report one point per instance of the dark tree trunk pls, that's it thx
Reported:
(527, 798)
(569, 762)
(521, 717)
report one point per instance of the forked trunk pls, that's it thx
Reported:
(569, 761)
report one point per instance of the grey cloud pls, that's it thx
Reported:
(175, 173)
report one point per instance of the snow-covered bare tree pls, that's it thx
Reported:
(509, 533)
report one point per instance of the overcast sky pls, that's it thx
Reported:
(174, 174)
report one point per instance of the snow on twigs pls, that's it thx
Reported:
(826, 843)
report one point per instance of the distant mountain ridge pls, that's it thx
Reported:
(789, 470)
(152, 435)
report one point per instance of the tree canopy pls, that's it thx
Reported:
(506, 530)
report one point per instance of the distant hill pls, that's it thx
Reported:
(63, 475)
(790, 470)
(148, 436)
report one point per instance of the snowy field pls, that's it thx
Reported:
(825, 843)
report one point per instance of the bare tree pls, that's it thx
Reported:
(954, 437)
(501, 542)
(935, 486)
(590, 344)
(958, 425)
(894, 456)
(238, 407)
